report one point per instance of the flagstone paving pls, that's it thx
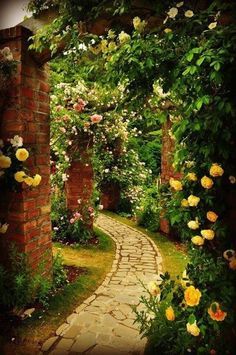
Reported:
(104, 323)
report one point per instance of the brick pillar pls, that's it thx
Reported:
(167, 170)
(79, 185)
(168, 146)
(25, 112)
(110, 196)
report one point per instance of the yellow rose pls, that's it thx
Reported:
(207, 182)
(197, 240)
(167, 30)
(193, 201)
(216, 170)
(212, 216)
(232, 264)
(3, 228)
(124, 37)
(216, 313)
(153, 288)
(176, 184)
(37, 179)
(22, 154)
(192, 296)
(193, 329)
(170, 314)
(20, 176)
(184, 203)
(29, 181)
(5, 162)
(208, 234)
(193, 224)
(229, 254)
(191, 177)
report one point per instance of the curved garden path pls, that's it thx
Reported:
(103, 324)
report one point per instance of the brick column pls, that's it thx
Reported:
(110, 196)
(79, 185)
(167, 170)
(25, 112)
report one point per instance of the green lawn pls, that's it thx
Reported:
(173, 253)
(31, 333)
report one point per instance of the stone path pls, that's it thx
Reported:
(103, 324)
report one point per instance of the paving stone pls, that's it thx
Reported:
(123, 331)
(65, 344)
(106, 350)
(62, 328)
(48, 343)
(72, 332)
(84, 342)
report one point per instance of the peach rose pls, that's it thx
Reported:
(216, 314)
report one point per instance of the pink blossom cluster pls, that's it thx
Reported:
(76, 217)
(80, 105)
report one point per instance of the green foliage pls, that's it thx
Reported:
(148, 213)
(59, 273)
(18, 286)
(71, 227)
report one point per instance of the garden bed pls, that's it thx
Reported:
(87, 267)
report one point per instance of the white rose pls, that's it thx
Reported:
(188, 13)
(212, 25)
(172, 12)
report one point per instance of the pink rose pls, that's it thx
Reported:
(72, 220)
(96, 118)
(80, 105)
(77, 215)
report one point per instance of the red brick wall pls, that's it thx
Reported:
(110, 196)
(79, 185)
(24, 111)
(168, 146)
(167, 170)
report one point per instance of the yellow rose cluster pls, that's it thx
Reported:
(215, 171)
(20, 176)
(176, 184)
(208, 234)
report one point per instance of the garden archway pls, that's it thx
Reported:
(25, 111)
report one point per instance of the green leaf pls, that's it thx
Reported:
(191, 319)
(187, 70)
(200, 61)
(199, 104)
(193, 69)
(217, 66)
(189, 57)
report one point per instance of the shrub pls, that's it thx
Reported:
(148, 212)
(71, 227)
(20, 288)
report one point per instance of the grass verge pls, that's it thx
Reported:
(173, 253)
(27, 337)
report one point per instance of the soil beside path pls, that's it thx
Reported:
(103, 324)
